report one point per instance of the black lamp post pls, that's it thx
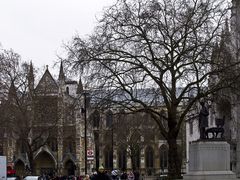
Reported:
(84, 110)
(112, 146)
(109, 119)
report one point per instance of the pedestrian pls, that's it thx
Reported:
(124, 175)
(93, 176)
(130, 176)
(136, 175)
(114, 174)
(101, 175)
(86, 177)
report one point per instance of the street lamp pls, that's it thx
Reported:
(84, 111)
(110, 125)
(112, 147)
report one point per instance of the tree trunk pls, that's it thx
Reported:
(174, 162)
(31, 163)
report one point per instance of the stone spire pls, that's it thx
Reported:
(226, 31)
(31, 78)
(80, 86)
(235, 18)
(61, 76)
(12, 93)
(226, 35)
(215, 52)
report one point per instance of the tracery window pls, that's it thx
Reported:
(149, 154)
(108, 158)
(163, 156)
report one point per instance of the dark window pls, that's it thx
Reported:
(69, 145)
(163, 157)
(136, 158)
(67, 90)
(108, 158)
(149, 157)
(53, 144)
(96, 119)
(109, 118)
(191, 127)
(122, 158)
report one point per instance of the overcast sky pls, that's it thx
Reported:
(36, 29)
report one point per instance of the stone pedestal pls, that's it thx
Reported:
(209, 160)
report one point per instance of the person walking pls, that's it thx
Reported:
(131, 176)
(87, 177)
(101, 175)
(115, 174)
(124, 175)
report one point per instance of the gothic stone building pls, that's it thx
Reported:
(115, 139)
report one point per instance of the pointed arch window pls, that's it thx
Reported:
(69, 145)
(121, 116)
(52, 142)
(109, 119)
(163, 154)
(149, 157)
(67, 90)
(96, 119)
(108, 158)
(122, 158)
(135, 153)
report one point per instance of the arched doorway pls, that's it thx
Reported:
(69, 168)
(20, 168)
(44, 164)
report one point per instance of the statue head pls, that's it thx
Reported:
(202, 103)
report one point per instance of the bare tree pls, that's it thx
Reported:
(9, 63)
(132, 132)
(28, 118)
(164, 47)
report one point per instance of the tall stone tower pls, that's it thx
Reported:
(235, 21)
(235, 106)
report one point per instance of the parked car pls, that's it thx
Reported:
(13, 178)
(32, 178)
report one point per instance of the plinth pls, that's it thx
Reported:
(209, 160)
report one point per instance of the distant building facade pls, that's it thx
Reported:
(112, 141)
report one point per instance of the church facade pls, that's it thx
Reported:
(114, 138)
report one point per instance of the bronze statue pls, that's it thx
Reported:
(203, 120)
(217, 130)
